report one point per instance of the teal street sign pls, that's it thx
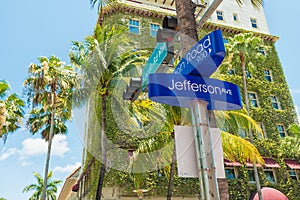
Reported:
(158, 55)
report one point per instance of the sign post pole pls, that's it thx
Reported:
(190, 87)
(205, 160)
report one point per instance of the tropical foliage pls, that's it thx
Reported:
(241, 49)
(49, 89)
(38, 187)
(11, 110)
(104, 57)
(152, 142)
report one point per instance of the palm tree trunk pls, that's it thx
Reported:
(49, 145)
(186, 20)
(172, 172)
(103, 149)
(187, 25)
(242, 58)
(244, 77)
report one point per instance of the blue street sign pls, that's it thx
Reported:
(180, 90)
(204, 57)
(158, 55)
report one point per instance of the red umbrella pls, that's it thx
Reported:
(270, 194)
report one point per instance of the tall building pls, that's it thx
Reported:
(246, 17)
(269, 97)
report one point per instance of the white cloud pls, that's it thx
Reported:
(69, 168)
(60, 145)
(33, 147)
(25, 163)
(8, 153)
(37, 147)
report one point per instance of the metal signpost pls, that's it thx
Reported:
(190, 87)
(187, 87)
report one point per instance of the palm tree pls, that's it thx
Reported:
(174, 118)
(101, 59)
(51, 187)
(234, 147)
(11, 110)
(242, 48)
(187, 26)
(49, 89)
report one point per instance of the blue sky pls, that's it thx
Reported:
(30, 29)
(34, 28)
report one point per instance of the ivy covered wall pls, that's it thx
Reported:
(238, 188)
(264, 89)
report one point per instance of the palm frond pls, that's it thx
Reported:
(239, 149)
(237, 120)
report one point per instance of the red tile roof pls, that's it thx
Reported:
(231, 164)
(269, 162)
(293, 164)
(251, 164)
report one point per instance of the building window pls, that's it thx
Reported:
(281, 131)
(275, 103)
(235, 17)
(134, 26)
(230, 173)
(293, 174)
(261, 125)
(251, 175)
(220, 15)
(293, 169)
(268, 75)
(262, 51)
(153, 29)
(253, 23)
(231, 72)
(270, 175)
(253, 100)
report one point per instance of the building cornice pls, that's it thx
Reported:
(233, 30)
(144, 12)
(121, 7)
